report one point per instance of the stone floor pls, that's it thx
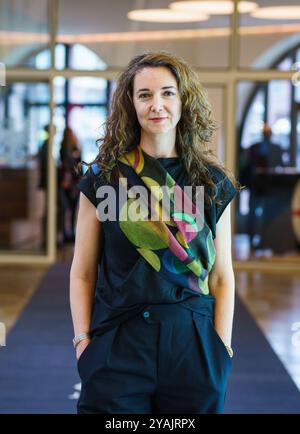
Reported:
(272, 298)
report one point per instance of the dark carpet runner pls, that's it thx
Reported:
(38, 367)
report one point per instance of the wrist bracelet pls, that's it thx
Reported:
(79, 338)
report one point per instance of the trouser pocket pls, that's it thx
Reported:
(219, 340)
(211, 345)
(95, 356)
(84, 354)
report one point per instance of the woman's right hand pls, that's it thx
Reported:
(81, 347)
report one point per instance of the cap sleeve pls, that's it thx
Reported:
(88, 182)
(225, 191)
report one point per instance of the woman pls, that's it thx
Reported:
(153, 324)
(70, 156)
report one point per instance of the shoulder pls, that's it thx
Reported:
(216, 173)
(220, 178)
(90, 181)
(225, 190)
(223, 185)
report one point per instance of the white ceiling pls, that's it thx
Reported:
(102, 16)
(105, 16)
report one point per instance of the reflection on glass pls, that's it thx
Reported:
(286, 64)
(81, 103)
(81, 57)
(216, 99)
(263, 41)
(24, 120)
(279, 112)
(23, 33)
(81, 108)
(298, 140)
(251, 131)
(115, 39)
(87, 122)
(89, 89)
(297, 81)
(267, 168)
(42, 60)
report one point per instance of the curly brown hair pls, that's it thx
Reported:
(194, 130)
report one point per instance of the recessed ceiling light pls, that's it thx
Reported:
(165, 16)
(277, 13)
(215, 7)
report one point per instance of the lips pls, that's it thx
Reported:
(157, 119)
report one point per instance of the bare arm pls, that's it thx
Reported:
(221, 279)
(83, 272)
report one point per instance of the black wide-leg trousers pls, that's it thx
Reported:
(167, 359)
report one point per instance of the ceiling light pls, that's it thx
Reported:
(215, 7)
(166, 16)
(278, 13)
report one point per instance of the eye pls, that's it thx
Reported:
(169, 93)
(144, 95)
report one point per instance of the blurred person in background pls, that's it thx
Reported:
(42, 158)
(255, 164)
(68, 193)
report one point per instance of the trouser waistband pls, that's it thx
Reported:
(203, 304)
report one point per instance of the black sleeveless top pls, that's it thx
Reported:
(126, 282)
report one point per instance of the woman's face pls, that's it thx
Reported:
(156, 100)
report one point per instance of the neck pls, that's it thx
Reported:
(158, 145)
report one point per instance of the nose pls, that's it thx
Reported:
(157, 105)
